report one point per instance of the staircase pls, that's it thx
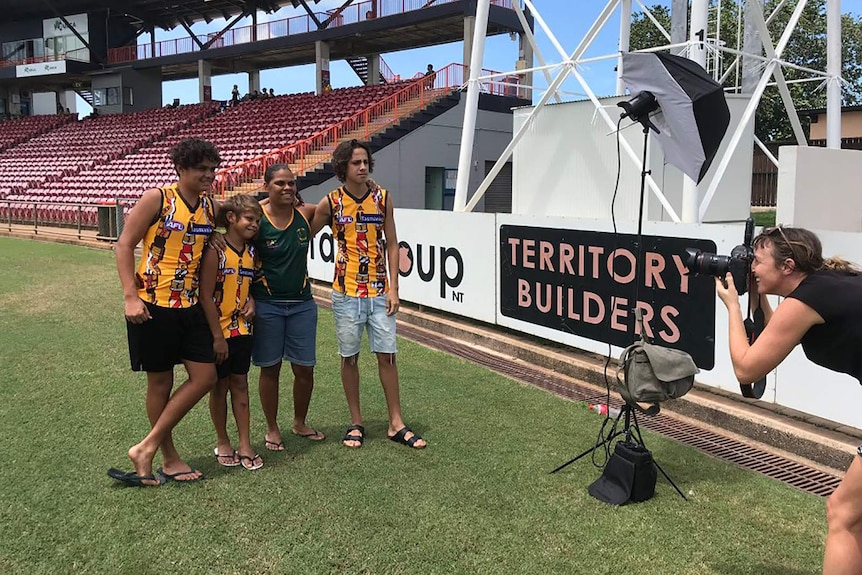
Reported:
(415, 117)
(360, 66)
(387, 130)
(87, 95)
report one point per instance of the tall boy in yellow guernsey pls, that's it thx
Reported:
(164, 320)
(365, 287)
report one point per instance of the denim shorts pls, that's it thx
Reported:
(353, 314)
(284, 330)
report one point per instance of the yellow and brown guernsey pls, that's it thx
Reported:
(167, 274)
(357, 228)
(234, 276)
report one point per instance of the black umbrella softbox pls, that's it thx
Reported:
(694, 115)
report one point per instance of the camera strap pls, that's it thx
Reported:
(753, 328)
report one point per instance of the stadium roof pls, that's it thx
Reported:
(165, 14)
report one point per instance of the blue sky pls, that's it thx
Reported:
(569, 21)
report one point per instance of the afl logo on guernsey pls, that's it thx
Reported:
(344, 220)
(174, 226)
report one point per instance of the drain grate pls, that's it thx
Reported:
(798, 475)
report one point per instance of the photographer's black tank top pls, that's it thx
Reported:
(837, 297)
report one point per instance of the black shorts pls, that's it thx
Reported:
(238, 359)
(169, 337)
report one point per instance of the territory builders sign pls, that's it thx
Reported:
(585, 283)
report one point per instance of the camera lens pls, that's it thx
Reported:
(715, 265)
(700, 262)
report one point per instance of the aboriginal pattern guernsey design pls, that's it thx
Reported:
(357, 226)
(167, 275)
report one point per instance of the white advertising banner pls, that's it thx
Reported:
(40, 69)
(53, 27)
(447, 261)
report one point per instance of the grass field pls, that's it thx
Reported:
(479, 499)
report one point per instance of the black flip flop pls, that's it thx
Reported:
(132, 479)
(173, 476)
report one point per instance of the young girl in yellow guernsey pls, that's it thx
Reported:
(225, 278)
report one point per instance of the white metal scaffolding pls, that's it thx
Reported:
(699, 47)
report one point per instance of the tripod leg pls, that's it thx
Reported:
(635, 433)
(588, 451)
(669, 480)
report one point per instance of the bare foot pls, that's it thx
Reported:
(226, 456)
(307, 432)
(273, 441)
(143, 462)
(180, 471)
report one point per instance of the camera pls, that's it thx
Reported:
(738, 263)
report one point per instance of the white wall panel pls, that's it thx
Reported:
(797, 383)
(566, 165)
(811, 180)
(448, 261)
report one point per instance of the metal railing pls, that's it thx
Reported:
(316, 150)
(78, 219)
(78, 54)
(362, 12)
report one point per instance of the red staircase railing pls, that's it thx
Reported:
(370, 121)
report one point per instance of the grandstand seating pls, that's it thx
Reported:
(18, 130)
(77, 146)
(119, 156)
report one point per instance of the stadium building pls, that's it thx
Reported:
(53, 52)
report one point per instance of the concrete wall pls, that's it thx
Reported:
(400, 166)
(566, 164)
(819, 188)
(44, 103)
(146, 86)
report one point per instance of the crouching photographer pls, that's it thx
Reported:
(822, 310)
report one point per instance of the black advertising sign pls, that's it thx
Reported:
(584, 283)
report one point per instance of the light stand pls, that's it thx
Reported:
(638, 109)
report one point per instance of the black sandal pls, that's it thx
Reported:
(402, 433)
(358, 438)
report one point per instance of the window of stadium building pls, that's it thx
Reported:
(69, 47)
(23, 49)
(56, 48)
(108, 96)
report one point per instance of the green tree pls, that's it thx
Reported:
(807, 47)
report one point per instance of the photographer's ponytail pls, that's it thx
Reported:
(838, 264)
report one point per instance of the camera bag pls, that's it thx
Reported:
(629, 476)
(652, 374)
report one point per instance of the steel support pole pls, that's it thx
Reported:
(833, 69)
(471, 107)
(697, 52)
(625, 37)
